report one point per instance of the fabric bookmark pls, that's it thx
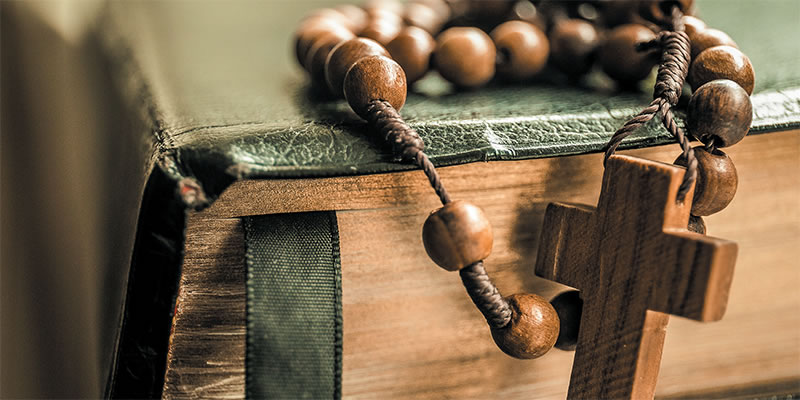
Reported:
(294, 307)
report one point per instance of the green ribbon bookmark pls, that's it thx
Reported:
(294, 307)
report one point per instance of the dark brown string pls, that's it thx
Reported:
(485, 295)
(408, 145)
(405, 142)
(675, 57)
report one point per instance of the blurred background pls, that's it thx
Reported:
(71, 186)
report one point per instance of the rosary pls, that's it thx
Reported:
(642, 253)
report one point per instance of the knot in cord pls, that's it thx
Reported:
(674, 66)
(675, 56)
(405, 141)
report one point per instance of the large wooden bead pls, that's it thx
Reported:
(412, 49)
(569, 307)
(719, 113)
(310, 30)
(661, 10)
(457, 235)
(374, 78)
(696, 225)
(344, 55)
(618, 55)
(523, 49)
(318, 54)
(533, 329)
(702, 39)
(716, 181)
(722, 62)
(383, 27)
(355, 16)
(692, 25)
(425, 16)
(572, 46)
(465, 56)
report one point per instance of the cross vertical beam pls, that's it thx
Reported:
(633, 260)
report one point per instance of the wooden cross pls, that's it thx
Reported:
(634, 262)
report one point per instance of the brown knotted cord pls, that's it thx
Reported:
(675, 57)
(408, 145)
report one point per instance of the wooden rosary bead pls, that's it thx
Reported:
(489, 10)
(335, 14)
(523, 49)
(618, 55)
(440, 7)
(412, 49)
(533, 329)
(374, 78)
(344, 55)
(661, 10)
(719, 113)
(692, 25)
(311, 29)
(572, 46)
(457, 235)
(424, 16)
(374, 7)
(355, 16)
(465, 56)
(706, 38)
(383, 27)
(569, 308)
(318, 54)
(696, 225)
(716, 181)
(722, 62)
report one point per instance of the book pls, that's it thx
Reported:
(236, 132)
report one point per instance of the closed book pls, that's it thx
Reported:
(243, 146)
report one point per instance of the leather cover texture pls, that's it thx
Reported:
(218, 83)
(218, 89)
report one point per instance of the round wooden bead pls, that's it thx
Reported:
(311, 29)
(355, 16)
(424, 16)
(572, 46)
(440, 7)
(716, 181)
(412, 49)
(569, 308)
(457, 235)
(722, 62)
(618, 55)
(318, 54)
(379, 6)
(383, 27)
(661, 10)
(696, 225)
(703, 39)
(692, 25)
(488, 10)
(465, 56)
(374, 78)
(533, 329)
(719, 113)
(344, 55)
(523, 49)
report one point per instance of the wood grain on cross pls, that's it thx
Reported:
(634, 262)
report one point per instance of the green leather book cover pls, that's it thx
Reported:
(217, 85)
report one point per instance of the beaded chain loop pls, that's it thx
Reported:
(369, 55)
(667, 90)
